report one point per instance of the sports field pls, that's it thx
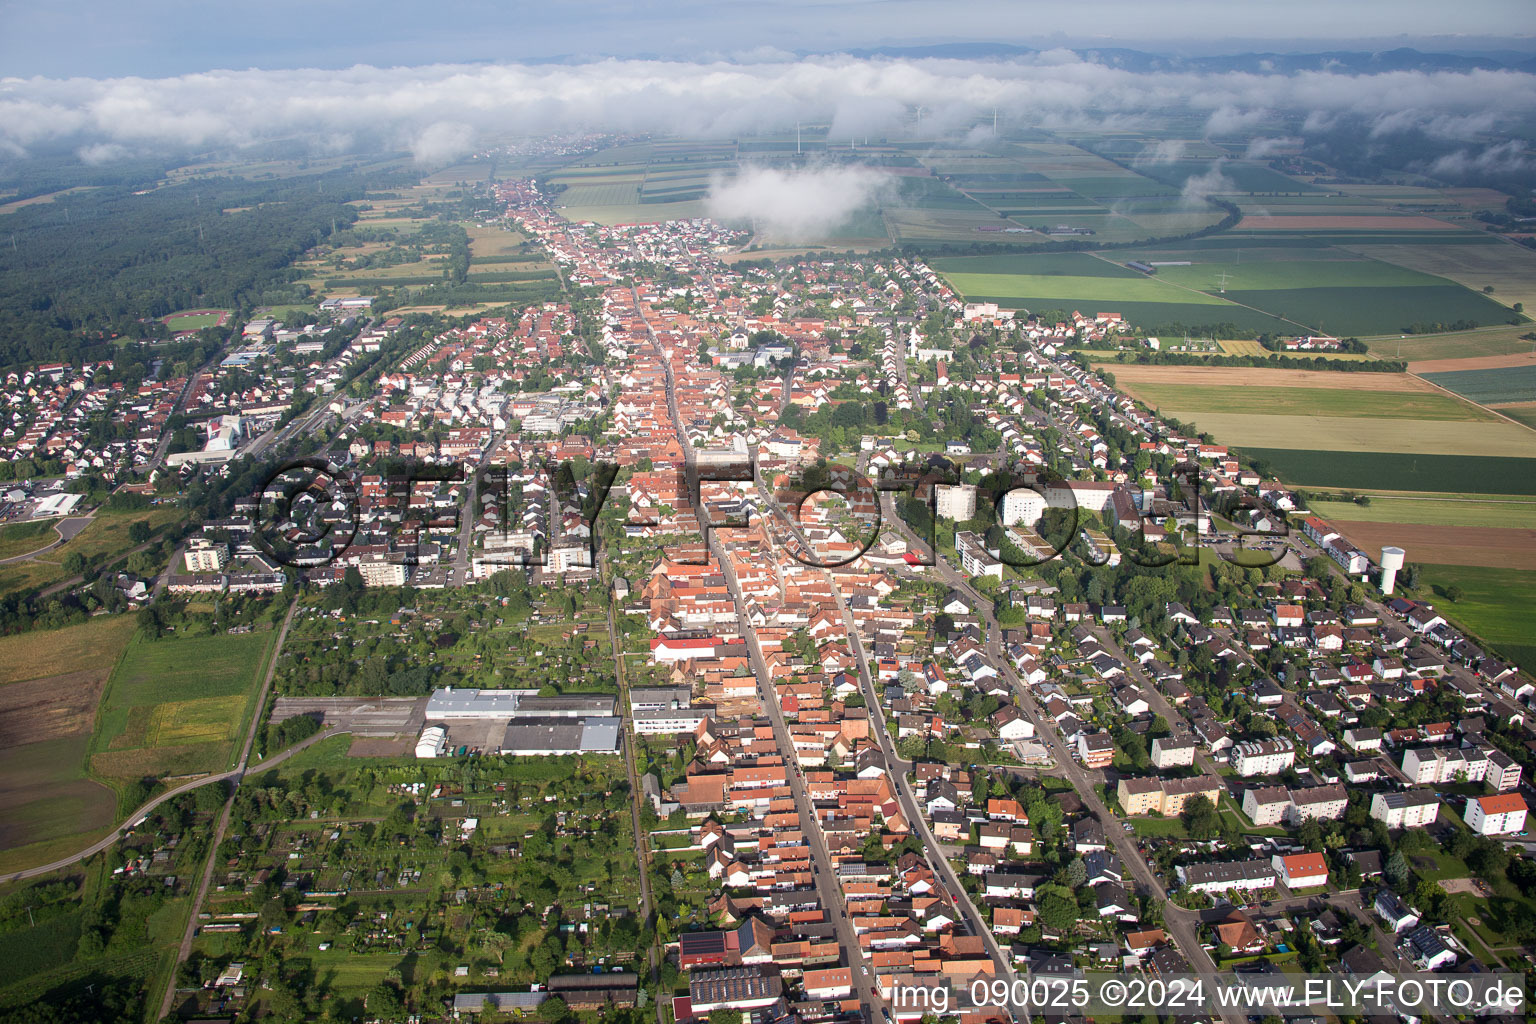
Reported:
(1399, 471)
(175, 705)
(196, 319)
(1496, 605)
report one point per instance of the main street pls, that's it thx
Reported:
(897, 768)
(823, 873)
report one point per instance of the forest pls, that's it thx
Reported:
(84, 269)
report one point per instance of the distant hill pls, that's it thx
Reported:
(1348, 61)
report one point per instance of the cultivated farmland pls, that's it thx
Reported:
(1430, 510)
(50, 686)
(1510, 548)
(1491, 386)
(1399, 471)
(174, 706)
(1485, 436)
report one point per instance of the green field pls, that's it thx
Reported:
(1490, 387)
(24, 538)
(175, 706)
(1284, 401)
(194, 320)
(1498, 341)
(1431, 511)
(1496, 606)
(1459, 474)
(1085, 283)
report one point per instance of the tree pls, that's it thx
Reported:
(1058, 909)
(1200, 817)
(1454, 594)
(139, 531)
(1396, 870)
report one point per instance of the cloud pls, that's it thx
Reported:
(1506, 158)
(438, 112)
(101, 153)
(442, 142)
(1230, 120)
(1198, 189)
(1165, 152)
(797, 205)
(1263, 149)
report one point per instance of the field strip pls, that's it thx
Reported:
(1491, 546)
(1503, 416)
(1206, 295)
(1365, 435)
(1473, 363)
(1257, 376)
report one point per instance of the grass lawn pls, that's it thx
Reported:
(1496, 605)
(24, 538)
(100, 542)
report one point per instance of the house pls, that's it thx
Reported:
(1412, 809)
(1095, 750)
(1168, 752)
(1301, 870)
(1501, 814)
(1237, 932)
(1428, 949)
(1263, 757)
(1224, 875)
(1398, 915)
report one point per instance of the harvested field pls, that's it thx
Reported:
(1362, 434)
(54, 652)
(1451, 365)
(51, 707)
(1382, 223)
(1243, 376)
(1496, 547)
(1323, 402)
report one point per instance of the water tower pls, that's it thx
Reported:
(1391, 561)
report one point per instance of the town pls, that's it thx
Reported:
(757, 638)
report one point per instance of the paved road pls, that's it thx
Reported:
(224, 815)
(236, 773)
(958, 898)
(67, 528)
(824, 879)
(1180, 924)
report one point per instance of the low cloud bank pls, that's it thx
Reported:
(797, 205)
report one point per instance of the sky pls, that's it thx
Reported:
(441, 80)
(157, 38)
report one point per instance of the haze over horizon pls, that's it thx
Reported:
(173, 37)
